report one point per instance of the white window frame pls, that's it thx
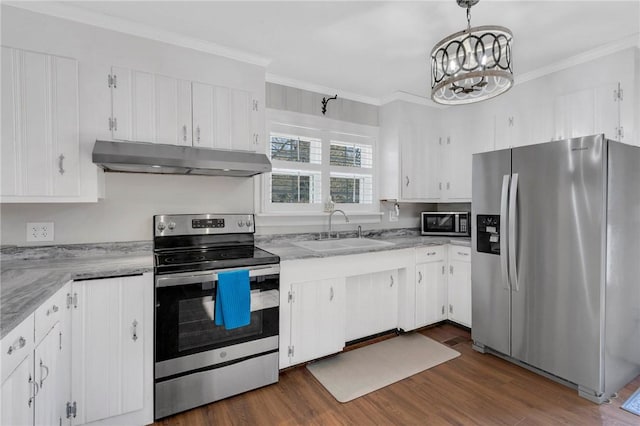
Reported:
(327, 130)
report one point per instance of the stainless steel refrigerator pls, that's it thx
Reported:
(556, 260)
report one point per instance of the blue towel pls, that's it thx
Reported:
(233, 299)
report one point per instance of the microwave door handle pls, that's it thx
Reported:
(513, 226)
(504, 255)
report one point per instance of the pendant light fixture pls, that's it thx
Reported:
(471, 65)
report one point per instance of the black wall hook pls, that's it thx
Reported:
(325, 101)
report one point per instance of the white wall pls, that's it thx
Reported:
(126, 212)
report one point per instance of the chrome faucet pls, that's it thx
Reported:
(346, 218)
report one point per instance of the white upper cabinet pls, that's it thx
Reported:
(173, 111)
(40, 145)
(154, 108)
(589, 111)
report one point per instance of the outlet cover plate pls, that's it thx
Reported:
(39, 231)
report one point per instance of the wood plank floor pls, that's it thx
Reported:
(473, 389)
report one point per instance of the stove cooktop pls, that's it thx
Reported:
(203, 259)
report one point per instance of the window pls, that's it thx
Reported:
(310, 164)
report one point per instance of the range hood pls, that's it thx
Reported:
(141, 157)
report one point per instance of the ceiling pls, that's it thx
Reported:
(373, 49)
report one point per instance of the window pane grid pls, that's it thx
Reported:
(351, 188)
(295, 149)
(351, 155)
(295, 186)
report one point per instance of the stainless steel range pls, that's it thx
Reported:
(196, 361)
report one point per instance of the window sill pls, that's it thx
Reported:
(290, 219)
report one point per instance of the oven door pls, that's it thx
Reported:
(186, 337)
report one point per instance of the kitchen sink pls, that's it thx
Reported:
(341, 244)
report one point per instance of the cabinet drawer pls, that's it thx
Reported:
(459, 253)
(429, 253)
(16, 346)
(50, 312)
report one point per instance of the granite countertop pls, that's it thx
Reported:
(30, 275)
(282, 245)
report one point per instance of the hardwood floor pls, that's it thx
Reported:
(471, 389)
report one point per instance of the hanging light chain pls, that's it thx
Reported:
(469, 18)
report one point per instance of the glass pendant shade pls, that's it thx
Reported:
(471, 65)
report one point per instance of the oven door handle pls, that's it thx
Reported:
(184, 278)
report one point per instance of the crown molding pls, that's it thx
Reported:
(126, 26)
(589, 55)
(298, 84)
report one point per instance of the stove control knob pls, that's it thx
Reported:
(161, 226)
(171, 225)
(249, 223)
(240, 224)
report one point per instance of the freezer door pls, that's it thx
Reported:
(490, 295)
(559, 257)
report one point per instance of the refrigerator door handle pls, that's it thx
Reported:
(504, 208)
(513, 192)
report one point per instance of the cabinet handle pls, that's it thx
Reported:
(419, 277)
(408, 181)
(451, 269)
(134, 335)
(42, 379)
(61, 164)
(36, 389)
(442, 309)
(461, 253)
(198, 134)
(440, 186)
(391, 276)
(331, 294)
(115, 124)
(431, 253)
(450, 309)
(184, 133)
(448, 185)
(18, 344)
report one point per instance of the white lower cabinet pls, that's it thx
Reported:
(50, 369)
(459, 285)
(112, 350)
(317, 319)
(430, 292)
(17, 393)
(372, 304)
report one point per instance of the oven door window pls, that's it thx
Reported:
(440, 223)
(185, 318)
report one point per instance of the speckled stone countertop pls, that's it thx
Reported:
(400, 238)
(30, 275)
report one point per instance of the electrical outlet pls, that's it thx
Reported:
(40, 231)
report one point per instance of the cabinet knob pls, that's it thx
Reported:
(18, 344)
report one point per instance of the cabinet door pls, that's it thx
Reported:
(10, 130)
(203, 119)
(108, 355)
(40, 145)
(49, 369)
(459, 292)
(172, 111)
(371, 304)
(241, 134)
(430, 286)
(133, 103)
(317, 319)
(17, 394)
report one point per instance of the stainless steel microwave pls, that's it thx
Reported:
(446, 223)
